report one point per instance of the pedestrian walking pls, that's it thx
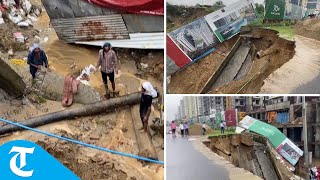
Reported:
(109, 67)
(182, 129)
(222, 127)
(173, 129)
(204, 128)
(186, 128)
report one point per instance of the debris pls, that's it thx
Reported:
(37, 39)
(74, 65)
(46, 39)
(26, 6)
(144, 66)
(150, 55)
(18, 61)
(1, 20)
(94, 137)
(10, 52)
(32, 18)
(19, 37)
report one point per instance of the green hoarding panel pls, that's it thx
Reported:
(272, 133)
(218, 119)
(274, 9)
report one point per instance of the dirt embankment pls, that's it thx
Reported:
(191, 79)
(309, 28)
(178, 16)
(283, 51)
(196, 130)
(113, 131)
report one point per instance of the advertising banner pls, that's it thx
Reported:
(284, 146)
(194, 39)
(289, 151)
(198, 38)
(227, 22)
(231, 117)
(274, 9)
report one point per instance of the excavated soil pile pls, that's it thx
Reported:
(192, 79)
(196, 130)
(309, 28)
(276, 52)
(97, 167)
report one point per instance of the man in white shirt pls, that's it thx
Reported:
(222, 127)
(181, 129)
(204, 128)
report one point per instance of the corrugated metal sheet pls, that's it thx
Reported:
(91, 28)
(136, 41)
(143, 23)
(74, 8)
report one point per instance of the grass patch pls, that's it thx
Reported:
(285, 28)
(216, 134)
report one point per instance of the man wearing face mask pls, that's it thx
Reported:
(36, 59)
(148, 93)
(109, 67)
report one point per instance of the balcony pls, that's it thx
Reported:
(278, 106)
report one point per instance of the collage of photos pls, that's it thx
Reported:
(160, 89)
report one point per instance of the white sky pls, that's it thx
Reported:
(172, 106)
(194, 2)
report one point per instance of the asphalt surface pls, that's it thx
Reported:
(185, 163)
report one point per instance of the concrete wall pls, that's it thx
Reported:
(244, 152)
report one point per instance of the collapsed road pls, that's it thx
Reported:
(255, 54)
(111, 128)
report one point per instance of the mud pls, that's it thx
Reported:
(309, 28)
(113, 130)
(192, 79)
(196, 130)
(282, 52)
(110, 130)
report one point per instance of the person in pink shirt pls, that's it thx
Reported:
(173, 129)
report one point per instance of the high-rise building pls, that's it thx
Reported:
(200, 105)
(218, 103)
(182, 109)
(190, 103)
(313, 4)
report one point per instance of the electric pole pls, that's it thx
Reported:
(305, 137)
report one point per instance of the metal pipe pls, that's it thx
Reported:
(305, 137)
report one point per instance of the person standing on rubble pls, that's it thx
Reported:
(36, 59)
(109, 67)
(148, 93)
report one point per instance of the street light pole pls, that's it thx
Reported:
(305, 137)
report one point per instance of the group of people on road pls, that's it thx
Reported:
(108, 65)
(184, 129)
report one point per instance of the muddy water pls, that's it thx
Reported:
(62, 55)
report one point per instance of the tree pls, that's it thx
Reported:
(260, 8)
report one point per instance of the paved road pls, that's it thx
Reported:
(301, 75)
(185, 163)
